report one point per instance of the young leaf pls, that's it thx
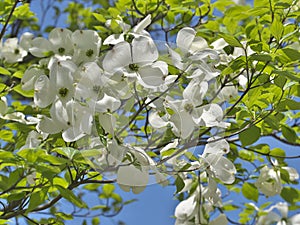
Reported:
(71, 197)
(4, 71)
(179, 184)
(233, 41)
(289, 194)
(277, 29)
(250, 135)
(289, 133)
(250, 191)
(37, 198)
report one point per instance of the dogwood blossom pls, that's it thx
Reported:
(135, 175)
(270, 217)
(218, 165)
(58, 42)
(269, 181)
(11, 51)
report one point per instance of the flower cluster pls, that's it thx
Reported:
(96, 89)
(90, 85)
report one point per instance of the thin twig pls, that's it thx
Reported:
(8, 19)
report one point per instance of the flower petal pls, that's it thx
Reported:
(130, 177)
(185, 39)
(108, 104)
(118, 57)
(44, 94)
(144, 50)
(142, 25)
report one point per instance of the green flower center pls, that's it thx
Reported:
(89, 53)
(96, 88)
(17, 51)
(189, 108)
(63, 92)
(61, 50)
(134, 67)
(129, 38)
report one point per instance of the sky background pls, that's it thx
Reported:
(156, 204)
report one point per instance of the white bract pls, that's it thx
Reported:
(59, 42)
(270, 217)
(219, 166)
(11, 51)
(269, 182)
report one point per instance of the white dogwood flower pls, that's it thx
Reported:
(137, 60)
(138, 30)
(11, 51)
(186, 210)
(135, 175)
(269, 181)
(58, 85)
(221, 167)
(86, 44)
(70, 118)
(58, 42)
(269, 217)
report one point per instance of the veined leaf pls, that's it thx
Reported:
(277, 29)
(250, 191)
(37, 198)
(71, 197)
(233, 41)
(4, 71)
(250, 135)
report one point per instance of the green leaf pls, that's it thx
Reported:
(230, 207)
(28, 94)
(7, 135)
(91, 187)
(96, 221)
(179, 184)
(54, 160)
(284, 175)
(246, 155)
(293, 105)
(289, 133)
(69, 152)
(64, 216)
(277, 152)
(108, 189)
(37, 198)
(261, 57)
(100, 131)
(99, 17)
(287, 74)
(250, 191)
(114, 12)
(250, 135)
(277, 29)
(292, 54)
(233, 41)
(4, 71)
(168, 152)
(280, 81)
(290, 195)
(71, 197)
